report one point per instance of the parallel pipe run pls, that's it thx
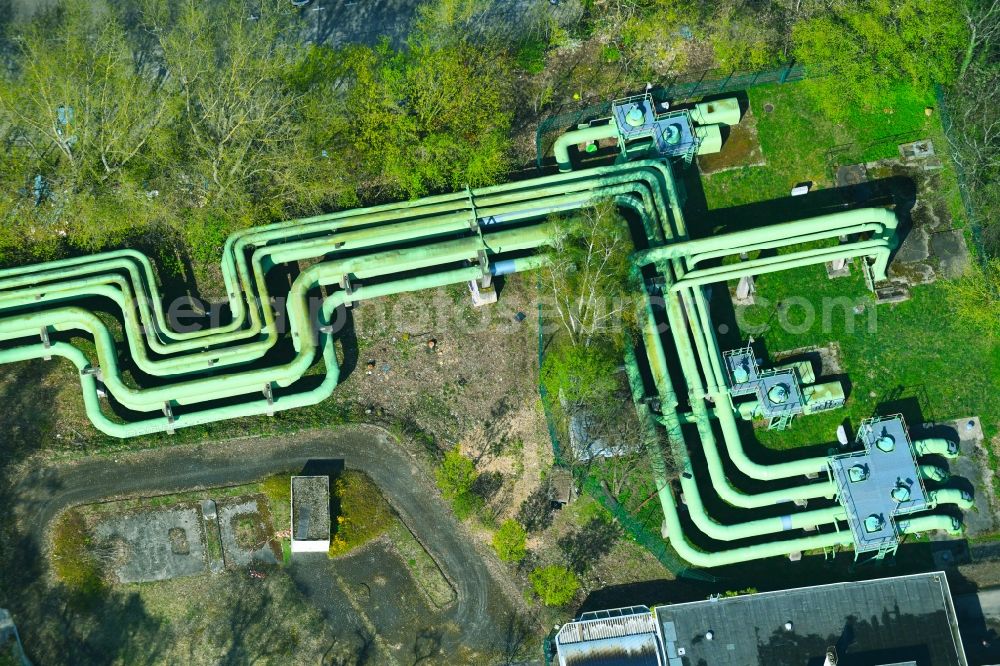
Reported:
(125, 279)
(446, 239)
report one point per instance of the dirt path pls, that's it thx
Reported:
(481, 610)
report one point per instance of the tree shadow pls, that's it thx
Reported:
(509, 644)
(53, 620)
(585, 545)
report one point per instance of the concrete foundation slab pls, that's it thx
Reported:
(951, 251)
(244, 535)
(150, 544)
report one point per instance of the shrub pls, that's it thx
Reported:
(456, 477)
(611, 54)
(555, 585)
(456, 474)
(975, 298)
(580, 374)
(531, 56)
(509, 541)
(466, 504)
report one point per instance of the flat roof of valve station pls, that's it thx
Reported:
(753, 380)
(672, 131)
(886, 465)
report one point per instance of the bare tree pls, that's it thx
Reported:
(974, 139)
(79, 91)
(236, 71)
(983, 20)
(588, 273)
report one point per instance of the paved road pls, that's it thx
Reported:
(480, 606)
(978, 620)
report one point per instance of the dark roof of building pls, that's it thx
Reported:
(872, 623)
(561, 485)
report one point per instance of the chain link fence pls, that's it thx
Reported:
(975, 222)
(701, 84)
(653, 542)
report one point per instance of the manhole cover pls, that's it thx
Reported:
(768, 108)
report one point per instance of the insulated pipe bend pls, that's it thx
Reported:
(592, 133)
(801, 520)
(674, 529)
(647, 180)
(936, 446)
(930, 523)
(955, 496)
(882, 220)
(724, 411)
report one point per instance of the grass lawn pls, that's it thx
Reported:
(801, 145)
(910, 357)
(229, 617)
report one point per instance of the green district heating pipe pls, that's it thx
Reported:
(727, 112)
(229, 371)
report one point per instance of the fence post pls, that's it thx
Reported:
(784, 74)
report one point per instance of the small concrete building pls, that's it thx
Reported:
(310, 514)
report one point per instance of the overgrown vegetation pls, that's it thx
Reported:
(555, 585)
(974, 128)
(176, 123)
(363, 513)
(456, 477)
(975, 298)
(866, 48)
(510, 541)
(590, 294)
(73, 561)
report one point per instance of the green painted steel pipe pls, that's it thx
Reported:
(592, 133)
(961, 498)
(930, 523)
(250, 408)
(675, 531)
(733, 440)
(933, 473)
(881, 220)
(695, 259)
(648, 180)
(801, 520)
(128, 279)
(726, 490)
(876, 248)
(936, 446)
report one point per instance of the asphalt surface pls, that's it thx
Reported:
(979, 623)
(480, 610)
